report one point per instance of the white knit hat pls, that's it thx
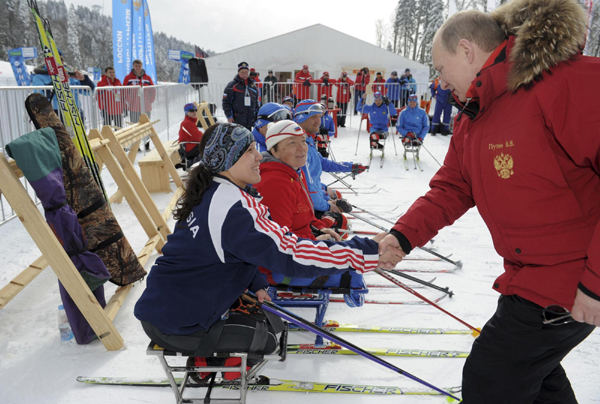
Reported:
(277, 131)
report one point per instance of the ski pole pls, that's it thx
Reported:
(458, 263)
(300, 322)
(422, 282)
(422, 145)
(341, 180)
(389, 277)
(392, 131)
(359, 126)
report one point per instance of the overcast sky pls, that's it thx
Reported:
(223, 25)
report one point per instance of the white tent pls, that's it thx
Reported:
(7, 77)
(321, 48)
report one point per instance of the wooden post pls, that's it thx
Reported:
(204, 107)
(58, 259)
(163, 154)
(136, 182)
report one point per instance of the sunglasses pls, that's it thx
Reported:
(192, 110)
(556, 315)
(278, 115)
(312, 108)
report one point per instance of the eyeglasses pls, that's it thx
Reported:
(277, 116)
(556, 315)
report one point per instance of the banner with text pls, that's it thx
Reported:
(183, 57)
(132, 37)
(17, 58)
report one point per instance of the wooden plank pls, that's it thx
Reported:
(137, 206)
(58, 259)
(140, 190)
(168, 212)
(118, 196)
(116, 301)
(163, 154)
(14, 287)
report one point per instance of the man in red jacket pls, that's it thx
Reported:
(526, 151)
(303, 80)
(343, 97)
(138, 77)
(109, 101)
(363, 78)
(325, 86)
(189, 132)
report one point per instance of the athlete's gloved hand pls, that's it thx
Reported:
(386, 101)
(358, 168)
(323, 131)
(343, 205)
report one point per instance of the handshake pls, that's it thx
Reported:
(390, 252)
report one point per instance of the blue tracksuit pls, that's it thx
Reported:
(41, 78)
(212, 257)
(327, 123)
(261, 145)
(442, 104)
(315, 165)
(393, 88)
(378, 115)
(413, 120)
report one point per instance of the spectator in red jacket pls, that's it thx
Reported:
(303, 80)
(363, 78)
(189, 132)
(525, 151)
(109, 101)
(379, 87)
(138, 77)
(325, 86)
(343, 97)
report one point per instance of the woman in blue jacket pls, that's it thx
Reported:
(192, 299)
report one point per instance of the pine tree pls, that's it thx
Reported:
(74, 55)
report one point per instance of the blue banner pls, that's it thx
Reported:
(95, 73)
(122, 33)
(183, 57)
(149, 59)
(17, 58)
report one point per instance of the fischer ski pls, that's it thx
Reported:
(331, 325)
(267, 384)
(65, 99)
(408, 302)
(334, 349)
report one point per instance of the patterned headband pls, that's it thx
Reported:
(226, 145)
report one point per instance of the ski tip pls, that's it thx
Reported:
(476, 332)
(459, 264)
(452, 400)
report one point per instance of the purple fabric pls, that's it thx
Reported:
(63, 222)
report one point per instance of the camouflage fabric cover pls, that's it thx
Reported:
(103, 233)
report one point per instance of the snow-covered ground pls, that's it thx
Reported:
(36, 368)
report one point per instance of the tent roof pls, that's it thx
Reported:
(318, 46)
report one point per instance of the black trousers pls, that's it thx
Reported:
(516, 359)
(236, 336)
(114, 120)
(341, 117)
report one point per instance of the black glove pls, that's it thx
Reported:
(306, 83)
(358, 168)
(323, 131)
(386, 101)
(343, 205)
(326, 82)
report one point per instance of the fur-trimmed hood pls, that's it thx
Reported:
(547, 32)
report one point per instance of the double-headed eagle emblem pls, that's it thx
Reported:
(504, 165)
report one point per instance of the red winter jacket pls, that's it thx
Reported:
(133, 99)
(325, 89)
(343, 90)
(379, 87)
(189, 132)
(110, 100)
(285, 193)
(362, 81)
(530, 160)
(302, 91)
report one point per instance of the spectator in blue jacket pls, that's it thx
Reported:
(413, 123)
(409, 86)
(442, 104)
(240, 99)
(393, 86)
(380, 113)
(76, 78)
(308, 116)
(270, 112)
(192, 302)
